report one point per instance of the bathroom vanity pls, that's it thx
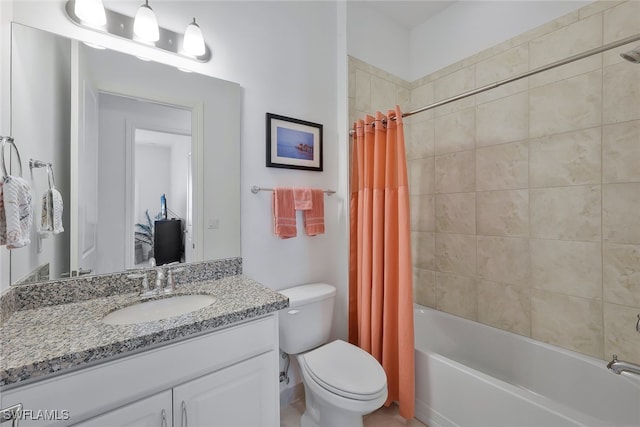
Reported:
(214, 366)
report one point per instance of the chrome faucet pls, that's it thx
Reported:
(620, 366)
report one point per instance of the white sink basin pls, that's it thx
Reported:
(165, 308)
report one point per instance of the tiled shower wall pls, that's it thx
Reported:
(526, 199)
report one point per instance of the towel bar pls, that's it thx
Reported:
(9, 140)
(255, 190)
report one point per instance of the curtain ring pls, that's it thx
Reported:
(5, 140)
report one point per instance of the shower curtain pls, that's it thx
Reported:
(380, 270)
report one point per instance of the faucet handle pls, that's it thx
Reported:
(145, 281)
(171, 280)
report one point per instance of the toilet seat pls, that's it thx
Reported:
(346, 370)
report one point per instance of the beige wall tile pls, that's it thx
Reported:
(572, 268)
(455, 172)
(502, 167)
(456, 254)
(620, 337)
(403, 98)
(454, 83)
(424, 287)
(621, 152)
(620, 210)
(571, 104)
(457, 295)
(504, 260)
(621, 92)
(421, 141)
(423, 212)
(421, 176)
(571, 158)
(507, 307)
(383, 94)
(547, 28)
(567, 71)
(352, 79)
(503, 91)
(456, 213)
(612, 56)
(503, 120)
(621, 21)
(506, 64)
(455, 131)
(597, 7)
(570, 322)
(566, 213)
(503, 213)
(452, 107)
(564, 42)
(423, 250)
(422, 96)
(363, 91)
(621, 267)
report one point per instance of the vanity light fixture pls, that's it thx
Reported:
(145, 24)
(143, 29)
(193, 40)
(91, 12)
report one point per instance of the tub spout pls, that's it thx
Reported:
(620, 366)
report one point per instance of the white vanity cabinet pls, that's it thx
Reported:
(228, 377)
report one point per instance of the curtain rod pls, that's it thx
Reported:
(537, 70)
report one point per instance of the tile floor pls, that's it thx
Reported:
(383, 417)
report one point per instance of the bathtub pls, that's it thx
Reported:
(472, 375)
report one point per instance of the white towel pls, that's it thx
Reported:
(3, 217)
(52, 207)
(18, 210)
(57, 208)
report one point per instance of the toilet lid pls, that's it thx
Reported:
(346, 370)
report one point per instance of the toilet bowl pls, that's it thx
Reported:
(341, 381)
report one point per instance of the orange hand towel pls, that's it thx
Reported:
(314, 217)
(284, 214)
(302, 199)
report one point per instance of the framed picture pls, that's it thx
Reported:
(293, 143)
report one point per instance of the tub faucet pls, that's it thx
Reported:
(620, 366)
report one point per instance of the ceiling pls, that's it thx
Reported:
(409, 14)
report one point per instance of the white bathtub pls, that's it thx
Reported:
(473, 375)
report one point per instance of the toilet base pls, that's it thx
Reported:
(330, 418)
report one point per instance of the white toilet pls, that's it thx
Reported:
(341, 381)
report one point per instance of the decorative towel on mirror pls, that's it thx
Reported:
(18, 210)
(3, 217)
(52, 207)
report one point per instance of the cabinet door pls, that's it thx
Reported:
(242, 395)
(154, 411)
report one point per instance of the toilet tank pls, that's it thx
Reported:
(306, 324)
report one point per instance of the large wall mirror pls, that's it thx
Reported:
(141, 153)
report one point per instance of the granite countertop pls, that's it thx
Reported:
(38, 342)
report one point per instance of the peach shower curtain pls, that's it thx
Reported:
(380, 270)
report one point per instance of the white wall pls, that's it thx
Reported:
(377, 40)
(468, 27)
(42, 106)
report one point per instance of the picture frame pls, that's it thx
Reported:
(293, 143)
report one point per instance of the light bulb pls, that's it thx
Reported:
(193, 40)
(145, 24)
(91, 12)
